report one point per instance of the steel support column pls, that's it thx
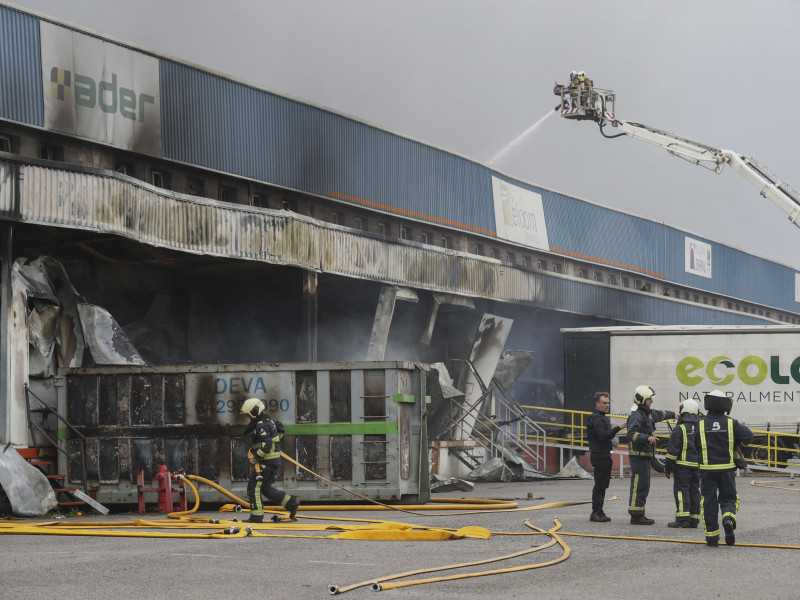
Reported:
(6, 230)
(310, 281)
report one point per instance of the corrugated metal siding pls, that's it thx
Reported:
(124, 206)
(735, 273)
(584, 230)
(228, 126)
(20, 68)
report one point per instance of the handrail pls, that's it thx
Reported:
(573, 421)
(28, 394)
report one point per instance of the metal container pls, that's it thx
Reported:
(359, 425)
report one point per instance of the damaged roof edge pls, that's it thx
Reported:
(111, 203)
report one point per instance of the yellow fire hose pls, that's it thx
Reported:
(379, 585)
(777, 487)
(376, 583)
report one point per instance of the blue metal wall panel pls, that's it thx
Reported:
(583, 230)
(20, 68)
(228, 126)
(213, 122)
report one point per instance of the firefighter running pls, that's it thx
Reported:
(265, 456)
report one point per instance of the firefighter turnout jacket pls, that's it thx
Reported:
(641, 425)
(682, 449)
(265, 441)
(716, 437)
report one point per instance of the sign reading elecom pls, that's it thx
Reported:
(101, 91)
(519, 215)
(697, 257)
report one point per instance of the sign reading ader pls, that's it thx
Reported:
(519, 215)
(99, 90)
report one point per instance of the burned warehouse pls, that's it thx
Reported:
(174, 242)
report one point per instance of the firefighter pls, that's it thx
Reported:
(265, 456)
(575, 89)
(601, 436)
(716, 438)
(641, 448)
(586, 86)
(682, 461)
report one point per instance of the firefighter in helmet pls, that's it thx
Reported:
(717, 437)
(641, 448)
(682, 461)
(265, 456)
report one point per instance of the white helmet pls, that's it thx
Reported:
(642, 393)
(581, 74)
(253, 407)
(572, 74)
(689, 406)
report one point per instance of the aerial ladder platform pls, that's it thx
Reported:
(582, 103)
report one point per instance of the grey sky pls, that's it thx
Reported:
(470, 76)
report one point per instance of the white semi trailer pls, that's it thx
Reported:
(758, 367)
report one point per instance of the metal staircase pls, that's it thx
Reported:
(43, 456)
(509, 428)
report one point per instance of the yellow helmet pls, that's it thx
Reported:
(253, 407)
(642, 393)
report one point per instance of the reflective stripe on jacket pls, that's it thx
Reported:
(265, 441)
(641, 425)
(717, 435)
(682, 448)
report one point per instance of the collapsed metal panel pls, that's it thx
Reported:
(360, 424)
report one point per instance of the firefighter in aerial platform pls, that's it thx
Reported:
(265, 456)
(575, 89)
(586, 88)
(641, 448)
(718, 435)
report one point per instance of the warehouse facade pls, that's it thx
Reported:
(219, 222)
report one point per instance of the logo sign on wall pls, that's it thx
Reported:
(99, 90)
(519, 215)
(697, 257)
(797, 287)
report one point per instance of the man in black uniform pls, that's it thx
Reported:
(682, 460)
(641, 448)
(716, 438)
(601, 435)
(265, 456)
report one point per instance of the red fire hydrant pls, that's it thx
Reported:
(163, 480)
(164, 489)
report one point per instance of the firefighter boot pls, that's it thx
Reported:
(693, 523)
(679, 523)
(728, 524)
(291, 505)
(641, 520)
(255, 519)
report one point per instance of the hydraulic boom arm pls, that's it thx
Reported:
(598, 105)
